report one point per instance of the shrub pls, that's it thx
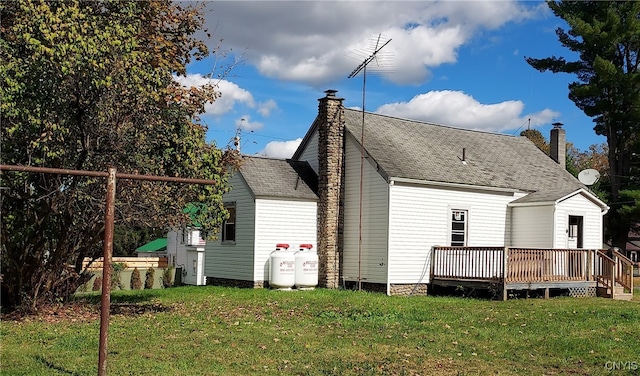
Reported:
(97, 283)
(148, 280)
(116, 270)
(167, 277)
(136, 281)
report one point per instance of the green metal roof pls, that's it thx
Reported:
(154, 246)
(192, 210)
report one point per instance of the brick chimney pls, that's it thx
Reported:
(558, 147)
(330, 161)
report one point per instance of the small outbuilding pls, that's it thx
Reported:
(272, 201)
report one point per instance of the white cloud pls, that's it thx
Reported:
(281, 149)
(245, 124)
(230, 93)
(315, 42)
(461, 110)
(265, 108)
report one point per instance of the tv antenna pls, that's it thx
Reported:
(236, 138)
(373, 56)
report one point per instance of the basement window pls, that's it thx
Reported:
(229, 225)
(458, 228)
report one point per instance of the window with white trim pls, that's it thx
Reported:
(458, 228)
(229, 225)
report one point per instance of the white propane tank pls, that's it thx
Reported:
(306, 268)
(282, 268)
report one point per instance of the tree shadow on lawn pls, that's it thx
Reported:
(129, 297)
(55, 367)
(130, 303)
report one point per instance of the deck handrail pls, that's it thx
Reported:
(604, 271)
(624, 270)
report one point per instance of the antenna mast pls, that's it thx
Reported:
(363, 67)
(236, 138)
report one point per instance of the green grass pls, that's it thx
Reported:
(226, 331)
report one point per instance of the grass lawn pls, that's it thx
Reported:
(226, 331)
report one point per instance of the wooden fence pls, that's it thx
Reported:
(130, 262)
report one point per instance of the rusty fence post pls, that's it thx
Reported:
(105, 306)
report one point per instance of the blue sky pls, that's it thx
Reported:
(456, 63)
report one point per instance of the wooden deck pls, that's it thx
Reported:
(582, 271)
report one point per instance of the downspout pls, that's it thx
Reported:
(555, 223)
(388, 234)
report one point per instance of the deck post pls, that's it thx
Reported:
(614, 273)
(505, 255)
(590, 264)
(546, 293)
(432, 262)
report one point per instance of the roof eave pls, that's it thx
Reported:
(392, 180)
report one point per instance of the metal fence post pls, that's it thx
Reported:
(105, 306)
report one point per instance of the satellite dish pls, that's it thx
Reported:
(588, 176)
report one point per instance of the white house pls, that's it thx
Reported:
(391, 189)
(272, 201)
(185, 250)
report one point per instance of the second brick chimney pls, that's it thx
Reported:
(330, 173)
(558, 145)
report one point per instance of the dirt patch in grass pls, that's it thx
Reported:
(79, 312)
(134, 309)
(55, 313)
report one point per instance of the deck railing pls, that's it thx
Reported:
(604, 271)
(532, 266)
(469, 263)
(624, 271)
(522, 265)
(613, 267)
(548, 265)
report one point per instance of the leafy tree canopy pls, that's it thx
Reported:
(87, 85)
(537, 138)
(606, 37)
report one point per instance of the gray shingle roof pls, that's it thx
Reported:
(423, 151)
(269, 177)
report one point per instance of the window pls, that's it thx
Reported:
(195, 267)
(458, 228)
(229, 225)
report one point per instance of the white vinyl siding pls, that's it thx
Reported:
(310, 152)
(532, 226)
(234, 260)
(282, 221)
(420, 218)
(579, 205)
(194, 267)
(372, 261)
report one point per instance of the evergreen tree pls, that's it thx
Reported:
(606, 36)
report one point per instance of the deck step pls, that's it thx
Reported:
(624, 296)
(618, 293)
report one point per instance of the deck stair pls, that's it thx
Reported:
(614, 274)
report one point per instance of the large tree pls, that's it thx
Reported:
(87, 85)
(606, 37)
